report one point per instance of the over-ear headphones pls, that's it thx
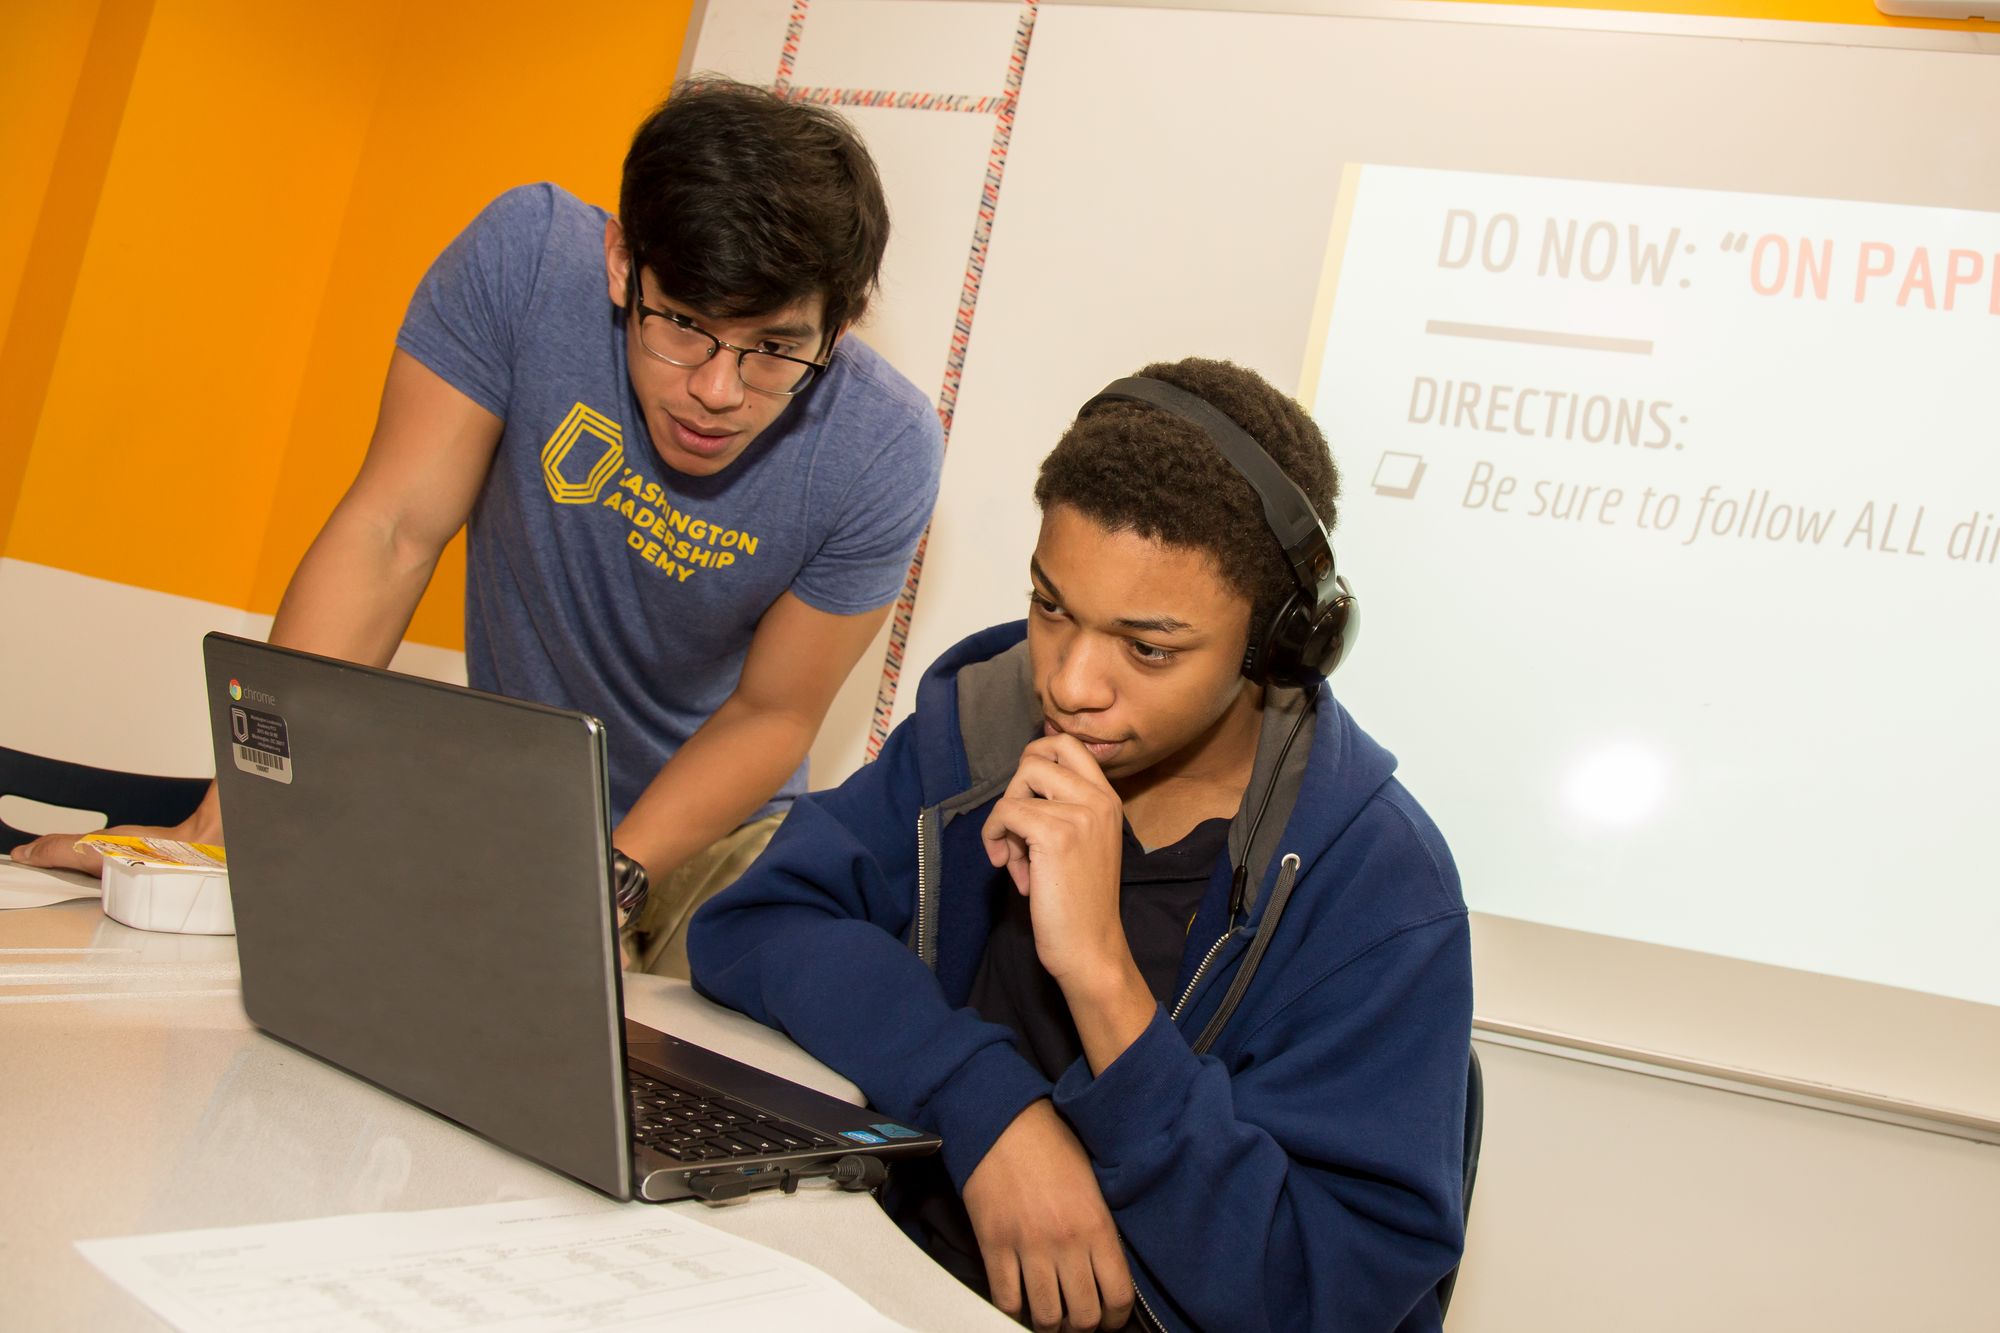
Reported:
(1315, 628)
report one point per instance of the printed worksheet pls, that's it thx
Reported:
(539, 1264)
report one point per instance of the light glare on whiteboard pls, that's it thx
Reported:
(1618, 786)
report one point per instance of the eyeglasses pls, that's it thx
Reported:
(679, 341)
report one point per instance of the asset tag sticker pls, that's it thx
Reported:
(260, 743)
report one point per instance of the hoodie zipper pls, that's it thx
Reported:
(1274, 911)
(1288, 870)
(1195, 980)
(1152, 1320)
(926, 925)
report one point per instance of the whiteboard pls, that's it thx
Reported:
(1170, 185)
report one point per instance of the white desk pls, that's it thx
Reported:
(135, 1097)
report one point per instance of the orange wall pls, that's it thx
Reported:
(64, 71)
(42, 50)
(243, 198)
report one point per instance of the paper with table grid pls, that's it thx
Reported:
(521, 1267)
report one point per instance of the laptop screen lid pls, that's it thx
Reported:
(420, 877)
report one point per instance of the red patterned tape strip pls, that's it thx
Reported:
(1002, 108)
(984, 106)
(954, 371)
(788, 57)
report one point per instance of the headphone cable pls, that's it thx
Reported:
(1240, 881)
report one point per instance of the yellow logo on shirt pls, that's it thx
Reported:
(582, 421)
(667, 538)
(673, 540)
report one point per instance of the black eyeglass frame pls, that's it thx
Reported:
(813, 369)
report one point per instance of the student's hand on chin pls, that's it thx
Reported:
(1044, 1229)
(1059, 831)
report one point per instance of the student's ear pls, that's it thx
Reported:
(617, 262)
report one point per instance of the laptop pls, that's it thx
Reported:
(421, 879)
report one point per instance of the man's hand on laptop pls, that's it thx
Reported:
(630, 886)
(1044, 1229)
(58, 851)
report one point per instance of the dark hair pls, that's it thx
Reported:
(742, 203)
(1133, 468)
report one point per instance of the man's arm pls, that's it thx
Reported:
(733, 763)
(357, 587)
(359, 583)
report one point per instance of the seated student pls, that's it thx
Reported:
(690, 493)
(1152, 936)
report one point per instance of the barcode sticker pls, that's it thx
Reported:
(260, 743)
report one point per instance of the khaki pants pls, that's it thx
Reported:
(657, 941)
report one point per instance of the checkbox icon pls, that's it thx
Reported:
(1398, 475)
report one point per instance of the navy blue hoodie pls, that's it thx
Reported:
(1282, 1148)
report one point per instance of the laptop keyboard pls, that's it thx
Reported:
(691, 1126)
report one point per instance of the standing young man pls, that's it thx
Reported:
(690, 493)
(1153, 938)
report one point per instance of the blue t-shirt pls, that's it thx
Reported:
(598, 578)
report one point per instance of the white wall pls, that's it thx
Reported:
(1609, 1200)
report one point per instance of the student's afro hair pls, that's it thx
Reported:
(1130, 467)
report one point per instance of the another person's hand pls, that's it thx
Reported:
(1044, 1230)
(58, 851)
(630, 885)
(1059, 829)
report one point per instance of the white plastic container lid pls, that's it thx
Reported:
(173, 899)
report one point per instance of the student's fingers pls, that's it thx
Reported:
(1017, 862)
(1072, 754)
(993, 838)
(1040, 778)
(1005, 847)
(1079, 1289)
(1044, 1291)
(1046, 828)
(1114, 1282)
(1013, 819)
(1003, 1279)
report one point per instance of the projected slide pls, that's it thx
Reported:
(1675, 515)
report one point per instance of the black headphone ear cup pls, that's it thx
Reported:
(1338, 627)
(1299, 647)
(1278, 654)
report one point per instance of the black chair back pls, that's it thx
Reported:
(122, 798)
(1475, 1120)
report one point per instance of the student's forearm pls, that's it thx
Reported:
(355, 591)
(726, 771)
(1111, 1008)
